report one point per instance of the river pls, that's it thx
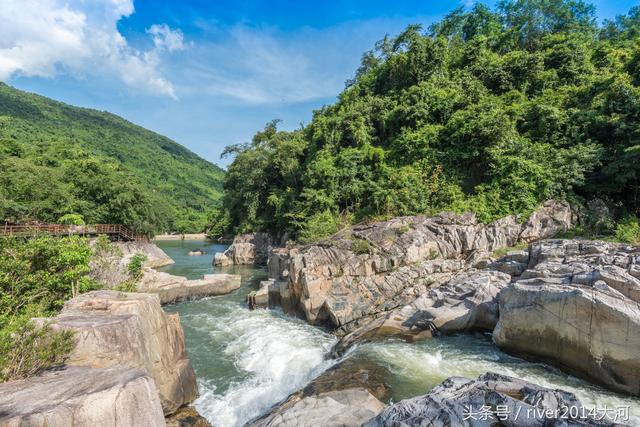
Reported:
(246, 361)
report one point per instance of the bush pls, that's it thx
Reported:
(26, 349)
(628, 230)
(361, 246)
(318, 226)
(135, 265)
(71, 219)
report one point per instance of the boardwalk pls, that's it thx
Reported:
(114, 231)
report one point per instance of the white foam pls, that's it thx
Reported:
(277, 357)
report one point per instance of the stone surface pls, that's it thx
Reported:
(460, 401)
(251, 249)
(172, 288)
(344, 408)
(465, 303)
(131, 329)
(187, 416)
(577, 307)
(80, 396)
(112, 269)
(373, 268)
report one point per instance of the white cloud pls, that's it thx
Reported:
(44, 38)
(166, 38)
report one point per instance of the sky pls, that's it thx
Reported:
(206, 73)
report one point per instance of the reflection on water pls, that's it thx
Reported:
(246, 361)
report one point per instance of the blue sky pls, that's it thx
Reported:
(205, 73)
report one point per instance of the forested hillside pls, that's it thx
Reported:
(56, 159)
(488, 110)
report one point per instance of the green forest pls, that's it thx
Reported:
(492, 111)
(57, 160)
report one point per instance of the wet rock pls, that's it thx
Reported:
(173, 289)
(251, 249)
(465, 303)
(259, 298)
(130, 329)
(81, 396)
(491, 400)
(348, 408)
(577, 307)
(195, 252)
(187, 416)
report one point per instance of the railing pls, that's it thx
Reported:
(115, 230)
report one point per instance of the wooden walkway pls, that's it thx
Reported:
(113, 231)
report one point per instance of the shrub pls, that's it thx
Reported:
(628, 230)
(135, 265)
(361, 247)
(71, 219)
(318, 226)
(26, 349)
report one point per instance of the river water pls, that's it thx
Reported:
(246, 361)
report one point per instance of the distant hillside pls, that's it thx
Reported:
(57, 159)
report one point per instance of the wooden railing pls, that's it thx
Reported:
(117, 231)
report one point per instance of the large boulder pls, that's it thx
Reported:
(251, 249)
(577, 307)
(465, 303)
(373, 268)
(109, 266)
(131, 329)
(491, 400)
(81, 396)
(173, 289)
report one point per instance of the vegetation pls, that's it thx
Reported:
(489, 110)
(56, 160)
(134, 268)
(37, 275)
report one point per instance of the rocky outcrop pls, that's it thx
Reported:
(465, 303)
(373, 268)
(577, 306)
(349, 393)
(131, 329)
(171, 289)
(109, 266)
(251, 249)
(347, 408)
(81, 396)
(492, 399)
(187, 416)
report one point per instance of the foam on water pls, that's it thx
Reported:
(275, 357)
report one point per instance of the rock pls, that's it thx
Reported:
(577, 307)
(371, 269)
(173, 289)
(187, 416)
(348, 408)
(251, 249)
(465, 303)
(552, 218)
(259, 298)
(195, 252)
(491, 400)
(111, 267)
(131, 329)
(81, 396)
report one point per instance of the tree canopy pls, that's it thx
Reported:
(488, 110)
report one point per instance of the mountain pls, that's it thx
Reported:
(57, 159)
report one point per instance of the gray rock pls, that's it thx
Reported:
(578, 309)
(251, 249)
(81, 396)
(116, 328)
(491, 400)
(173, 289)
(336, 282)
(343, 408)
(466, 302)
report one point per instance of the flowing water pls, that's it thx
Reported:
(246, 361)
